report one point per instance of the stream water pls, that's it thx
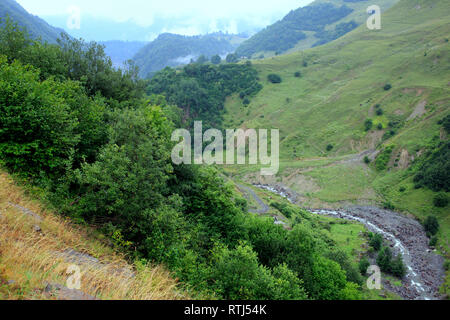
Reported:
(425, 271)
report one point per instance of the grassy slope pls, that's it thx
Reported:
(338, 91)
(29, 258)
(359, 15)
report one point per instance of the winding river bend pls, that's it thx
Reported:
(406, 236)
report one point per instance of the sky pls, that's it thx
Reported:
(144, 12)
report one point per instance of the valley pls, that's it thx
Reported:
(363, 180)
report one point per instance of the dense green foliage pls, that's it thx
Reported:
(274, 78)
(434, 170)
(284, 34)
(383, 159)
(431, 225)
(103, 157)
(200, 90)
(376, 241)
(390, 264)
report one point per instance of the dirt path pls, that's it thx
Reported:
(263, 207)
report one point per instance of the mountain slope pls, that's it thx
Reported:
(316, 24)
(37, 27)
(396, 77)
(122, 51)
(171, 50)
(37, 247)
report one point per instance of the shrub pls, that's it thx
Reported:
(330, 147)
(384, 259)
(380, 126)
(431, 225)
(368, 124)
(298, 74)
(402, 189)
(366, 160)
(376, 241)
(383, 159)
(440, 200)
(38, 128)
(274, 78)
(397, 267)
(379, 112)
(246, 102)
(363, 266)
(387, 87)
(433, 241)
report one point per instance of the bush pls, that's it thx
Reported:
(431, 225)
(368, 124)
(298, 74)
(383, 159)
(379, 112)
(387, 87)
(366, 160)
(433, 241)
(274, 78)
(363, 266)
(398, 268)
(376, 241)
(380, 126)
(38, 127)
(330, 147)
(440, 200)
(384, 259)
(434, 171)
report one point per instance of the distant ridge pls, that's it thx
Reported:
(37, 27)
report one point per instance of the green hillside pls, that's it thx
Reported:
(322, 113)
(172, 50)
(316, 24)
(37, 27)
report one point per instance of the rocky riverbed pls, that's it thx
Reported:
(406, 236)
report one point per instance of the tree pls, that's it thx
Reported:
(232, 58)
(216, 59)
(202, 59)
(38, 129)
(376, 241)
(431, 225)
(398, 269)
(368, 124)
(363, 266)
(274, 78)
(384, 259)
(440, 200)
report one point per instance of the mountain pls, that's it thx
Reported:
(37, 27)
(316, 24)
(122, 51)
(363, 119)
(172, 50)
